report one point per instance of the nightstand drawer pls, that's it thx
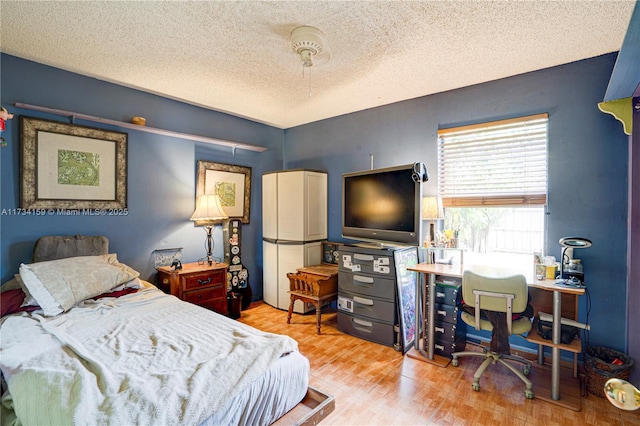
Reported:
(201, 284)
(200, 296)
(216, 305)
(207, 278)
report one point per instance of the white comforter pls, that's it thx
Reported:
(144, 358)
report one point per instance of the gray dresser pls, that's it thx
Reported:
(367, 293)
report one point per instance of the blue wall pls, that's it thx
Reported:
(588, 160)
(161, 170)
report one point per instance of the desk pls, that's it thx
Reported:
(430, 271)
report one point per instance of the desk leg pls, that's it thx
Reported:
(432, 314)
(426, 336)
(555, 352)
(419, 318)
(421, 304)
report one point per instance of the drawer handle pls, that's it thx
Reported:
(203, 282)
(363, 323)
(362, 280)
(362, 301)
(365, 257)
(442, 313)
(441, 347)
(439, 329)
(363, 326)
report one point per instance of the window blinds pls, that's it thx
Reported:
(500, 163)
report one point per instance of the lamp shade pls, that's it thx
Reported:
(208, 209)
(432, 208)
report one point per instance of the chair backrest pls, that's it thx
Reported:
(506, 294)
(304, 284)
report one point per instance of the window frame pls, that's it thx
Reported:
(447, 135)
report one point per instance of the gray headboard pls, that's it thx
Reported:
(60, 247)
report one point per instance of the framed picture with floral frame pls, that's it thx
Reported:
(66, 166)
(231, 183)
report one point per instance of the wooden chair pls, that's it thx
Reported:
(311, 289)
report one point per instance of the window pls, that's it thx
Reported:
(492, 178)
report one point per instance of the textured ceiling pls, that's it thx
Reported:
(236, 57)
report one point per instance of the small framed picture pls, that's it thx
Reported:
(330, 252)
(231, 183)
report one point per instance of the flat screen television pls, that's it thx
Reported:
(383, 205)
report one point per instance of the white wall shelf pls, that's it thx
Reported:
(197, 138)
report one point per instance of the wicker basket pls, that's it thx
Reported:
(600, 368)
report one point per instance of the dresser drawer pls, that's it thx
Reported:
(446, 348)
(200, 296)
(447, 313)
(367, 261)
(216, 305)
(372, 308)
(448, 294)
(448, 281)
(367, 329)
(445, 331)
(367, 285)
(205, 278)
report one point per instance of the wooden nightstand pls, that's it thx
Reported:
(196, 283)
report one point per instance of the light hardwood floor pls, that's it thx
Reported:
(375, 385)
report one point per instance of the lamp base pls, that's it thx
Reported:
(432, 233)
(209, 243)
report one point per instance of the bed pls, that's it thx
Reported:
(94, 344)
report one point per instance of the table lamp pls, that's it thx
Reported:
(432, 210)
(208, 212)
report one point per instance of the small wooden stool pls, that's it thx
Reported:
(312, 289)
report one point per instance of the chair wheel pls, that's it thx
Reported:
(476, 387)
(528, 394)
(454, 362)
(526, 371)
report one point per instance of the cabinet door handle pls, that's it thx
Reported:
(203, 282)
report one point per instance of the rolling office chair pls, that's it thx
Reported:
(498, 299)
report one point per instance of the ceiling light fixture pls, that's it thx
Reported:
(308, 42)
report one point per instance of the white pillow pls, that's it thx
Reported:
(134, 283)
(57, 285)
(28, 298)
